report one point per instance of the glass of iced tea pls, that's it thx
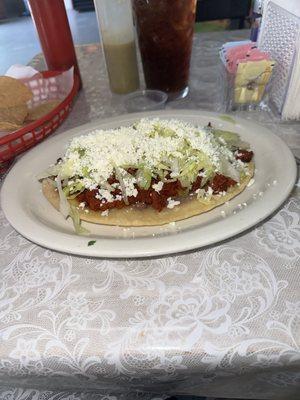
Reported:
(165, 32)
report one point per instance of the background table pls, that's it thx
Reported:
(222, 321)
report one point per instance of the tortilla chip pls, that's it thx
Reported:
(15, 115)
(42, 109)
(13, 92)
(9, 127)
(133, 216)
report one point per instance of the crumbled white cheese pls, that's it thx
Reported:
(158, 186)
(129, 185)
(81, 205)
(95, 156)
(105, 194)
(172, 203)
(105, 213)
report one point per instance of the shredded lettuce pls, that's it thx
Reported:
(122, 184)
(71, 191)
(227, 169)
(66, 170)
(144, 177)
(231, 139)
(192, 165)
(74, 215)
(86, 173)
(209, 173)
(68, 210)
(161, 131)
(200, 193)
(53, 170)
(81, 151)
(161, 173)
(174, 165)
(107, 186)
(189, 174)
(64, 206)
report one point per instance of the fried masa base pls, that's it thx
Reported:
(134, 216)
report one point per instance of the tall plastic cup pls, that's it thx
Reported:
(165, 31)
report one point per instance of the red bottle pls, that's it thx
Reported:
(53, 28)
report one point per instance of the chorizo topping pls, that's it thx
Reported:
(221, 183)
(153, 198)
(146, 196)
(244, 155)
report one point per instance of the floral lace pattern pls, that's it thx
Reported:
(282, 234)
(226, 314)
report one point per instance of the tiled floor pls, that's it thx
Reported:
(19, 41)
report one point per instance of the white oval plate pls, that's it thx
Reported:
(33, 217)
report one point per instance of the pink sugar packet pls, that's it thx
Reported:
(253, 54)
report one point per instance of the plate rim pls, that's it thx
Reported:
(99, 252)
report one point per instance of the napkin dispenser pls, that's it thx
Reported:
(280, 37)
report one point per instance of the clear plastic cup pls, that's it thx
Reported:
(165, 31)
(145, 100)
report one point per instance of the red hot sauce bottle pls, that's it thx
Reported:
(51, 21)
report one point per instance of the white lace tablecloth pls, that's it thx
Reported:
(222, 321)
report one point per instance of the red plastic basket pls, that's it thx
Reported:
(21, 140)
